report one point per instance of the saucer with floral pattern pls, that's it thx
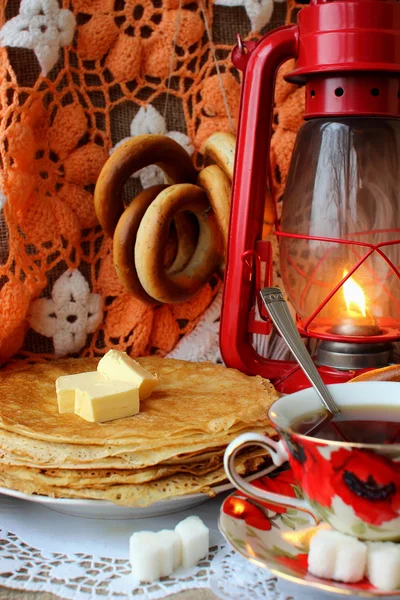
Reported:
(277, 538)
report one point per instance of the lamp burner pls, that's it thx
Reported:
(348, 356)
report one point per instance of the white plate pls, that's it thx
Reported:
(100, 509)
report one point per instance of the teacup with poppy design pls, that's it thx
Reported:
(354, 487)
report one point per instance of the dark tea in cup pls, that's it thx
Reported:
(356, 424)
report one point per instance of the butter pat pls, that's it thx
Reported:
(120, 367)
(195, 541)
(66, 386)
(145, 556)
(99, 399)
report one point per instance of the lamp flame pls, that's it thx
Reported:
(354, 296)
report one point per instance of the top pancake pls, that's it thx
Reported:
(191, 401)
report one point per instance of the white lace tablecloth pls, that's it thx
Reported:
(82, 559)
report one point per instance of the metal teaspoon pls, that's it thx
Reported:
(278, 310)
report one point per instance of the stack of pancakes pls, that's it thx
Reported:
(173, 447)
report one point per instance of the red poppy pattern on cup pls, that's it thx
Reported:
(366, 481)
(262, 515)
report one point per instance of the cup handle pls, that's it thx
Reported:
(279, 456)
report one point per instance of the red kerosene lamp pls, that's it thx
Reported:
(339, 233)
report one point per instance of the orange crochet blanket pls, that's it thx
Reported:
(72, 81)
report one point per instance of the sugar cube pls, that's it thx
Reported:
(195, 540)
(351, 560)
(145, 556)
(322, 554)
(334, 555)
(384, 565)
(170, 545)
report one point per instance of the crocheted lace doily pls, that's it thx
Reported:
(234, 578)
(83, 576)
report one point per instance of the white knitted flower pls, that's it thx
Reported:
(70, 315)
(3, 200)
(41, 26)
(258, 11)
(149, 120)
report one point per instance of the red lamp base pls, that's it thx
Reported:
(293, 379)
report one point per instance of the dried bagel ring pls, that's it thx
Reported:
(125, 238)
(152, 237)
(187, 235)
(220, 148)
(134, 154)
(217, 186)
